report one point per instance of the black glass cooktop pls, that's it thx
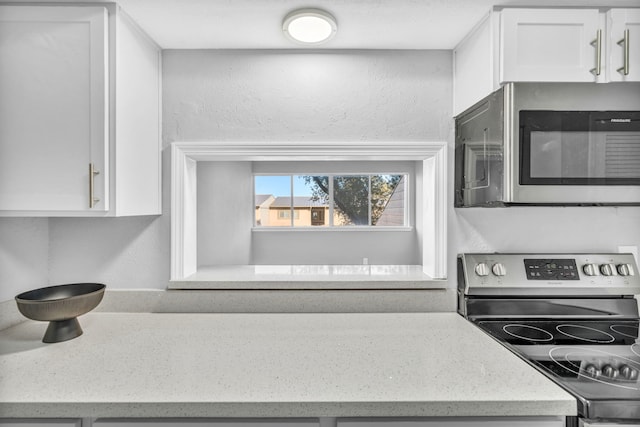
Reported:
(596, 360)
(563, 332)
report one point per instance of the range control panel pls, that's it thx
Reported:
(548, 274)
(551, 269)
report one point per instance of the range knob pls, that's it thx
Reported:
(609, 371)
(591, 270)
(499, 269)
(592, 370)
(626, 270)
(482, 269)
(609, 270)
(628, 372)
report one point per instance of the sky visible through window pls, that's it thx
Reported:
(280, 186)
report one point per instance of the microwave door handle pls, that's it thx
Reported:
(471, 163)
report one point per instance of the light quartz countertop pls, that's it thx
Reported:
(270, 365)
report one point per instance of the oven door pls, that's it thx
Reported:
(579, 157)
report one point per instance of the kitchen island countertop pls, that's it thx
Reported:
(270, 365)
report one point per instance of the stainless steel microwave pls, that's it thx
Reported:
(550, 144)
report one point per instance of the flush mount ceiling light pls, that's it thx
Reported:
(309, 26)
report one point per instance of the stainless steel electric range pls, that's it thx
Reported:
(571, 316)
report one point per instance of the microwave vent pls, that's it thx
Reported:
(622, 156)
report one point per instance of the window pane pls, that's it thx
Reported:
(351, 200)
(282, 214)
(387, 200)
(273, 201)
(311, 200)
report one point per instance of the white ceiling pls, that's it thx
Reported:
(362, 24)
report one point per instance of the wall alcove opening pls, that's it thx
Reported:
(216, 245)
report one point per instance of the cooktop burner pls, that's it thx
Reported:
(630, 331)
(586, 333)
(527, 333)
(536, 332)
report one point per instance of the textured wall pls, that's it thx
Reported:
(125, 253)
(544, 229)
(274, 96)
(24, 252)
(307, 95)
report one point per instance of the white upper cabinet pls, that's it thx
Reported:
(623, 45)
(548, 45)
(79, 113)
(474, 64)
(53, 107)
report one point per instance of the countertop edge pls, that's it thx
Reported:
(539, 408)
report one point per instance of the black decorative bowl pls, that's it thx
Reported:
(60, 305)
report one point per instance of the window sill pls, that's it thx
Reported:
(330, 229)
(309, 277)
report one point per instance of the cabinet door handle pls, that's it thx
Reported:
(598, 44)
(625, 42)
(92, 173)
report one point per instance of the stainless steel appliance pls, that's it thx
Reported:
(571, 316)
(550, 144)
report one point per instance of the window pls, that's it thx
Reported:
(331, 200)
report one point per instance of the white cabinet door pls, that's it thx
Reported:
(548, 45)
(53, 108)
(474, 75)
(623, 45)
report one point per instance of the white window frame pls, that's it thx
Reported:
(431, 188)
(331, 226)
